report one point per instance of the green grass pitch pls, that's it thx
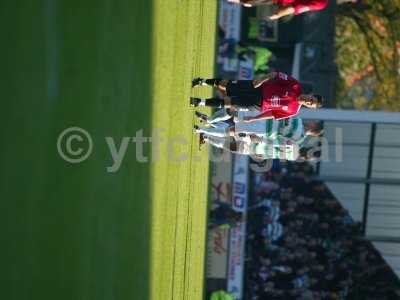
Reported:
(111, 67)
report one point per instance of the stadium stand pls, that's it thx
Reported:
(302, 244)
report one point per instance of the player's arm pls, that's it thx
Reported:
(257, 83)
(282, 12)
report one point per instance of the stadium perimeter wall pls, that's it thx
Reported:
(229, 182)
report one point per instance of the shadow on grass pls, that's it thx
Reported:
(74, 231)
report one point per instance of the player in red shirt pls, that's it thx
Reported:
(278, 96)
(296, 7)
(286, 7)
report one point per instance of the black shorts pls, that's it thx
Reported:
(243, 93)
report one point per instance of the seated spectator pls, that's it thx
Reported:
(304, 245)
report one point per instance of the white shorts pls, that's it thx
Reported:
(258, 128)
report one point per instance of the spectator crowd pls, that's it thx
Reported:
(302, 244)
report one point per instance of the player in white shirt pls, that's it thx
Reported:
(266, 138)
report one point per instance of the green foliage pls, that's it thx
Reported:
(368, 55)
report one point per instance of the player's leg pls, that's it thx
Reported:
(204, 81)
(232, 145)
(219, 84)
(222, 143)
(215, 82)
(201, 117)
(221, 130)
(220, 116)
(211, 102)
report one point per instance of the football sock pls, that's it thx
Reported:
(212, 102)
(213, 81)
(218, 131)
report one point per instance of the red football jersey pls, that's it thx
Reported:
(301, 6)
(279, 96)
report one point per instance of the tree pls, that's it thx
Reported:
(368, 49)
